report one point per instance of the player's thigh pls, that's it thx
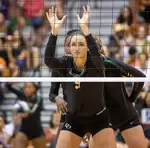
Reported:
(134, 137)
(68, 139)
(21, 140)
(104, 139)
(39, 142)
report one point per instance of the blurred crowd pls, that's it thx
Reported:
(23, 27)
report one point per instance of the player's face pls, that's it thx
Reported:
(78, 46)
(142, 58)
(29, 89)
(16, 35)
(1, 122)
(141, 32)
(126, 12)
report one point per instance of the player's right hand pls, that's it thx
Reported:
(61, 105)
(54, 22)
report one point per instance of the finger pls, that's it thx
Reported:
(88, 8)
(84, 9)
(62, 109)
(58, 109)
(65, 102)
(50, 12)
(52, 9)
(65, 108)
(47, 15)
(63, 19)
(78, 17)
(55, 12)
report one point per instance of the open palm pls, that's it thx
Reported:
(84, 20)
(54, 22)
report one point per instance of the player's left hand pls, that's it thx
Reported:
(84, 20)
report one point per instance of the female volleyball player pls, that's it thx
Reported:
(54, 90)
(83, 114)
(31, 128)
(122, 112)
(123, 115)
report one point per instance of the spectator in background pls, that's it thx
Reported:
(123, 25)
(29, 37)
(144, 67)
(132, 58)
(128, 43)
(4, 8)
(3, 136)
(7, 68)
(141, 9)
(12, 128)
(13, 9)
(146, 46)
(17, 51)
(14, 23)
(4, 61)
(33, 10)
(3, 25)
(144, 10)
(143, 60)
(141, 38)
(27, 31)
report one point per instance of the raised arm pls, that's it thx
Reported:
(96, 58)
(55, 24)
(19, 94)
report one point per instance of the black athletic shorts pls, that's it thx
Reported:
(63, 118)
(80, 125)
(130, 124)
(146, 130)
(33, 134)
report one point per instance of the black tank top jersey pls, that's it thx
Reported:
(118, 103)
(88, 98)
(32, 122)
